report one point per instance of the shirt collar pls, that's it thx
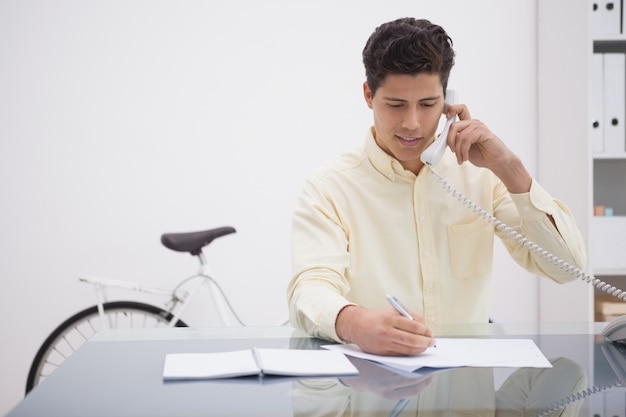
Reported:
(387, 165)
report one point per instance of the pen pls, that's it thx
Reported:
(399, 308)
(400, 405)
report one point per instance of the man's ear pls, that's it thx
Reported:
(367, 93)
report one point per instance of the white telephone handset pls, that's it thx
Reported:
(431, 155)
(615, 331)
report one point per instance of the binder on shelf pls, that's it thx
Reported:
(614, 99)
(606, 17)
(597, 105)
(607, 243)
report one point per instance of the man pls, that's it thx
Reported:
(376, 221)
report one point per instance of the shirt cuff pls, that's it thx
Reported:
(535, 204)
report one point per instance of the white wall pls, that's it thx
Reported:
(121, 120)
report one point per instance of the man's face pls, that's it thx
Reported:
(407, 110)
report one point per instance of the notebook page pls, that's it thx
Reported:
(304, 362)
(210, 365)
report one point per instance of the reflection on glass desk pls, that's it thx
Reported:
(119, 373)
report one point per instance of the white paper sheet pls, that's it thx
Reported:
(518, 353)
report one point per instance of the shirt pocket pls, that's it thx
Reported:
(471, 249)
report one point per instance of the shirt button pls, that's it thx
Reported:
(427, 253)
(421, 217)
(431, 286)
(526, 208)
(432, 317)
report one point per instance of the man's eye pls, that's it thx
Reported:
(396, 106)
(428, 104)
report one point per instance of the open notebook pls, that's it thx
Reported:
(257, 361)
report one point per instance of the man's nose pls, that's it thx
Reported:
(411, 119)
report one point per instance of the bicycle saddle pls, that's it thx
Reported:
(193, 242)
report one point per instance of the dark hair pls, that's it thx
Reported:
(407, 46)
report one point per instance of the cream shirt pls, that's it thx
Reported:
(364, 227)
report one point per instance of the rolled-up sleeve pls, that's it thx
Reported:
(537, 210)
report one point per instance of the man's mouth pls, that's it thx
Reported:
(407, 138)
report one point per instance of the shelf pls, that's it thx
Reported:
(610, 272)
(618, 219)
(608, 37)
(609, 155)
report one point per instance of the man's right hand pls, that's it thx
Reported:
(384, 331)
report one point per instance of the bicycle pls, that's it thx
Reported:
(82, 326)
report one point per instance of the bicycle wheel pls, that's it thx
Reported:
(79, 328)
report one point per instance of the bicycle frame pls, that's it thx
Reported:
(177, 297)
(220, 303)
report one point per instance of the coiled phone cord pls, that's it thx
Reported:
(580, 395)
(578, 273)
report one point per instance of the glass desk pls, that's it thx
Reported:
(119, 373)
